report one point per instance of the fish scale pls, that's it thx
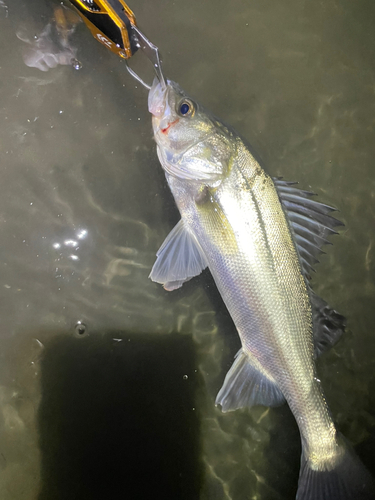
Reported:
(256, 284)
(256, 235)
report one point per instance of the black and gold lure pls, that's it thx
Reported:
(114, 25)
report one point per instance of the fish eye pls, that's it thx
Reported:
(186, 108)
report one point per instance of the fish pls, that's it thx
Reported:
(260, 238)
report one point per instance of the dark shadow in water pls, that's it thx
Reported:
(116, 418)
(365, 451)
(283, 455)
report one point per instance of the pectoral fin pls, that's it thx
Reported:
(179, 259)
(248, 384)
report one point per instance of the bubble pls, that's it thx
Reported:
(185, 377)
(76, 64)
(80, 328)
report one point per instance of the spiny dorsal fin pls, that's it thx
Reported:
(310, 222)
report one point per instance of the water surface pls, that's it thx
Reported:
(84, 207)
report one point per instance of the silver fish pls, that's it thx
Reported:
(259, 237)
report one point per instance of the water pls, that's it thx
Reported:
(125, 405)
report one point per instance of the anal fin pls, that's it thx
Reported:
(248, 384)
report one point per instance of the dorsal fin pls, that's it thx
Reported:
(310, 222)
(328, 324)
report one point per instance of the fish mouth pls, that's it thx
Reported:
(162, 119)
(157, 98)
(165, 129)
(160, 133)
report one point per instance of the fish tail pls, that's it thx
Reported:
(347, 479)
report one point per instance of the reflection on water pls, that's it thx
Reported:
(84, 208)
(52, 47)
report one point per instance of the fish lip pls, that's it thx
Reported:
(165, 129)
(180, 153)
(160, 95)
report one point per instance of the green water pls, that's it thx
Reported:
(126, 409)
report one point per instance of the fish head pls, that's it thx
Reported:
(192, 144)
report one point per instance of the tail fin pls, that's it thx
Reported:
(349, 480)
